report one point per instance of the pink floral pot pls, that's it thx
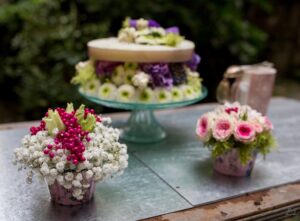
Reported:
(229, 164)
(64, 196)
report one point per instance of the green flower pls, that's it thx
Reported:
(145, 95)
(125, 93)
(163, 95)
(130, 65)
(91, 87)
(107, 91)
(177, 94)
(53, 121)
(87, 123)
(188, 92)
(172, 39)
(118, 77)
(85, 72)
(129, 73)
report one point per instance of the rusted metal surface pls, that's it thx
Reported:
(273, 204)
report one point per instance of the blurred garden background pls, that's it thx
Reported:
(42, 40)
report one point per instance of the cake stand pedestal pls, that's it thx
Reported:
(142, 126)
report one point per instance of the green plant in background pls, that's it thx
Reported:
(42, 40)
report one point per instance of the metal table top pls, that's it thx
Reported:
(164, 177)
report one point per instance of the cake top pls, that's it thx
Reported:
(142, 41)
(148, 32)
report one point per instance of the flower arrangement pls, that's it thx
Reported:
(238, 132)
(149, 32)
(139, 82)
(71, 149)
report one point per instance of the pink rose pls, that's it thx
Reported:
(244, 132)
(268, 124)
(222, 129)
(258, 128)
(202, 128)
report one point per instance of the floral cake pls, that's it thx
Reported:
(146, 63)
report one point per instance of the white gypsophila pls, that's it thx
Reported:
(105, 158)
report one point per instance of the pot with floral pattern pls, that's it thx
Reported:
(230, 164)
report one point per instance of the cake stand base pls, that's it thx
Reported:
(142, 127)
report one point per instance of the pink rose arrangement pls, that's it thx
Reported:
(236, 126)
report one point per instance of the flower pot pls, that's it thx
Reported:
(230, 164)
(64, 196)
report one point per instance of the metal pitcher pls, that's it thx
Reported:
(248, 84)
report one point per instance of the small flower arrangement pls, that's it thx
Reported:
(237, 132)
(71, 149)
(148, 32)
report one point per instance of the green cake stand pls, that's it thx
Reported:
(142, 126)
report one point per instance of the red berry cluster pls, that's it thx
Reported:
(35, 130)
(231, 109)
(71, 138)
(91, 111)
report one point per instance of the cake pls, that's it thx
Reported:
(145, 63)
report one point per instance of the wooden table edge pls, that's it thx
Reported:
(277, 202)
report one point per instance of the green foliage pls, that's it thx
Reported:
(42, 40)
(263, 144)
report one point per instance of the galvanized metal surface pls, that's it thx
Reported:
(161, 178)
(184, 164)
(137, 194)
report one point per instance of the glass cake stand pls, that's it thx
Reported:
(142, 126)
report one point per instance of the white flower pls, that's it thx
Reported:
(69, 176)
(107, 91)
(77, 192)
(86, 185)
(125, 93)
(163, 95)
(60, 166)
(44, 169)
(67, 185)
(55, 131)
(60, 179)
(78, 177)
(76, 183)
(89, 174)
(53, 172)
(50, 180)
(141, 79)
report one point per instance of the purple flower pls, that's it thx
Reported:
(105, 68)
(159, 73)
(151, 23)
(174, 30)
(133, 23)
(193, 62)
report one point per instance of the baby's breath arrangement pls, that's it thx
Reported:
(72, 148)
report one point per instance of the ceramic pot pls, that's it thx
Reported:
(64, 196)
(230, 164)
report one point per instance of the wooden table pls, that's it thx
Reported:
(272, 203)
